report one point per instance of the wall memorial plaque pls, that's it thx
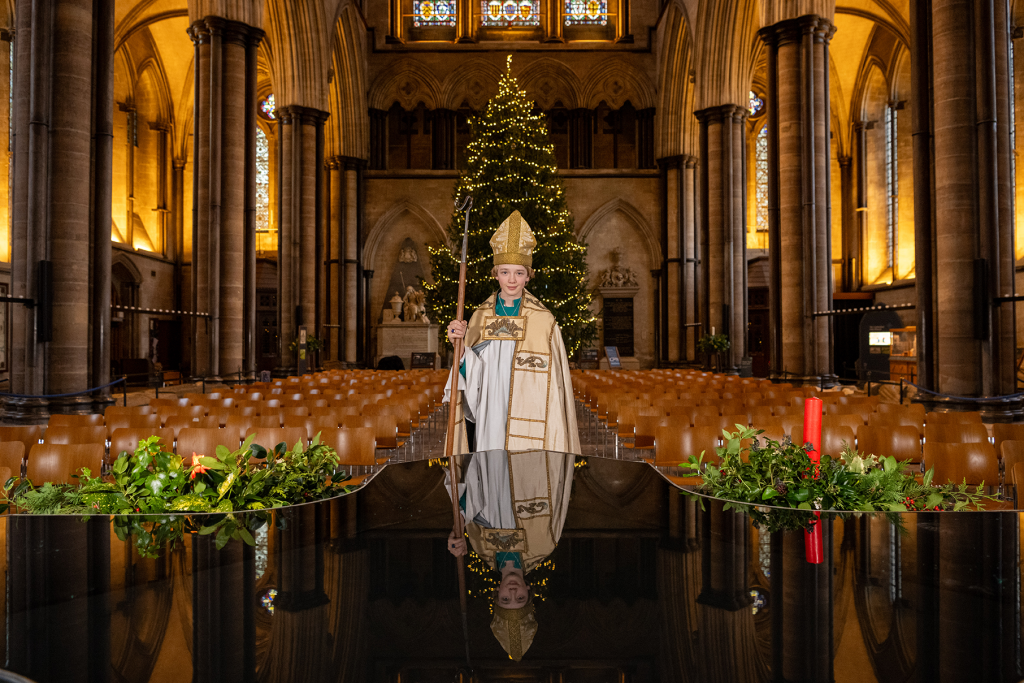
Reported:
(618, 324)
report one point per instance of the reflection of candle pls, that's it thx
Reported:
(813, 549)
(712, 331)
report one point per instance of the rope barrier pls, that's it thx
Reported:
(77, 393)
(967, 398)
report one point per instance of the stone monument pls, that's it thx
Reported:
(404, 328)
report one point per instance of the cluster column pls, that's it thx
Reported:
(302, 162)
(799, 235)
(722, 225)
(964, 223)
(223, 246)
(679, 211)
(60, 218)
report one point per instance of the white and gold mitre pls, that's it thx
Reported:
(515, 628)
(514, 242)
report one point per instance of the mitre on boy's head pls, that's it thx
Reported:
(514, 242)
(515, 628)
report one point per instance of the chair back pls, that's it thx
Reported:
(12, 456)
(355, 446)
(120, 421)
(1006, 432)
(270, 437)
(57, 463)
(902, 442)
(953, 417)
(675, 444)
(128, 438)
(93, 420)
(27, 435)
(204, 441)
(975, 463)
(76, 435)
(958, 432)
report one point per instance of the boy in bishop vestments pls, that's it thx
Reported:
(514, 392)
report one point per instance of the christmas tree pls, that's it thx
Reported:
(511, 165)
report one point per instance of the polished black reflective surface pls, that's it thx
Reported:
(642, 586)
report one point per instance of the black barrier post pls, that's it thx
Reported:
(124, 390)
(204, 384)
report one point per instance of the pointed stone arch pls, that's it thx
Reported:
(347, 131)
(675, 123)
(407, 82)
(384, 223)
(474, 82)
(651, 242)
(548, 81)
(614, 81)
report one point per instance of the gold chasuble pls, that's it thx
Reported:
(541, 408)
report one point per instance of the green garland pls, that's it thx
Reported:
(776, 484)
(147, 487)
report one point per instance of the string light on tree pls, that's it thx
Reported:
(510, 166)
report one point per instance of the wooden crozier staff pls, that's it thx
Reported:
(449, 443)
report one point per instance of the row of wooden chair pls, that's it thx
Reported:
(58, 463)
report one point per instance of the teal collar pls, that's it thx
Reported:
(501, 309)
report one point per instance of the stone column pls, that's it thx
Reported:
(798, 180)
(352, 239)
(301, 163)
(690, 256)
(722, 225)
(850, 256)
(672, 238)
(224, 158)
(64, 57)
(973, 226)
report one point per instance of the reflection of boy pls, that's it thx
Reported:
(514, 506)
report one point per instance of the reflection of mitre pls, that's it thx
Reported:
(515, 628)
(513, 243)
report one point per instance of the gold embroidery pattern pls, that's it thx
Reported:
(504, 541)
(532, 362)
(504, 328)
(534, 508)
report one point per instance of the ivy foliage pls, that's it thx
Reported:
(780, 487)
(146, 489)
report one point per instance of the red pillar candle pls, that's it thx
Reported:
(812, 434)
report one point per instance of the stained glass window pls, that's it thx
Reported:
(892, 184)
(586, 12)
(761, 178)
(510, 13)
(268, 108)
(758, 600)
(756, 104)
(262, 182)
(433, 13)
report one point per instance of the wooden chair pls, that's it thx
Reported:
(963, 432)
(1006, 432)
(203, 441)
(1010, 454)
(27, 435)
(644, 432)
(726, 422)
(902, 442)
(271, 421)
(893, 418)
(306, 424)
(241, 425)
(356, 448)
(57, 463)
(76, 435)
(852, 420)
(833, 438)
(95, 420)
(156, 403)
(122, 421)
(684, 414)
(129, 411)
(270, 437)
(127, 439)
(956, 462)
(12, 456)
(176, 423)
(674, 445)
(773, 429)
(295, 411)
